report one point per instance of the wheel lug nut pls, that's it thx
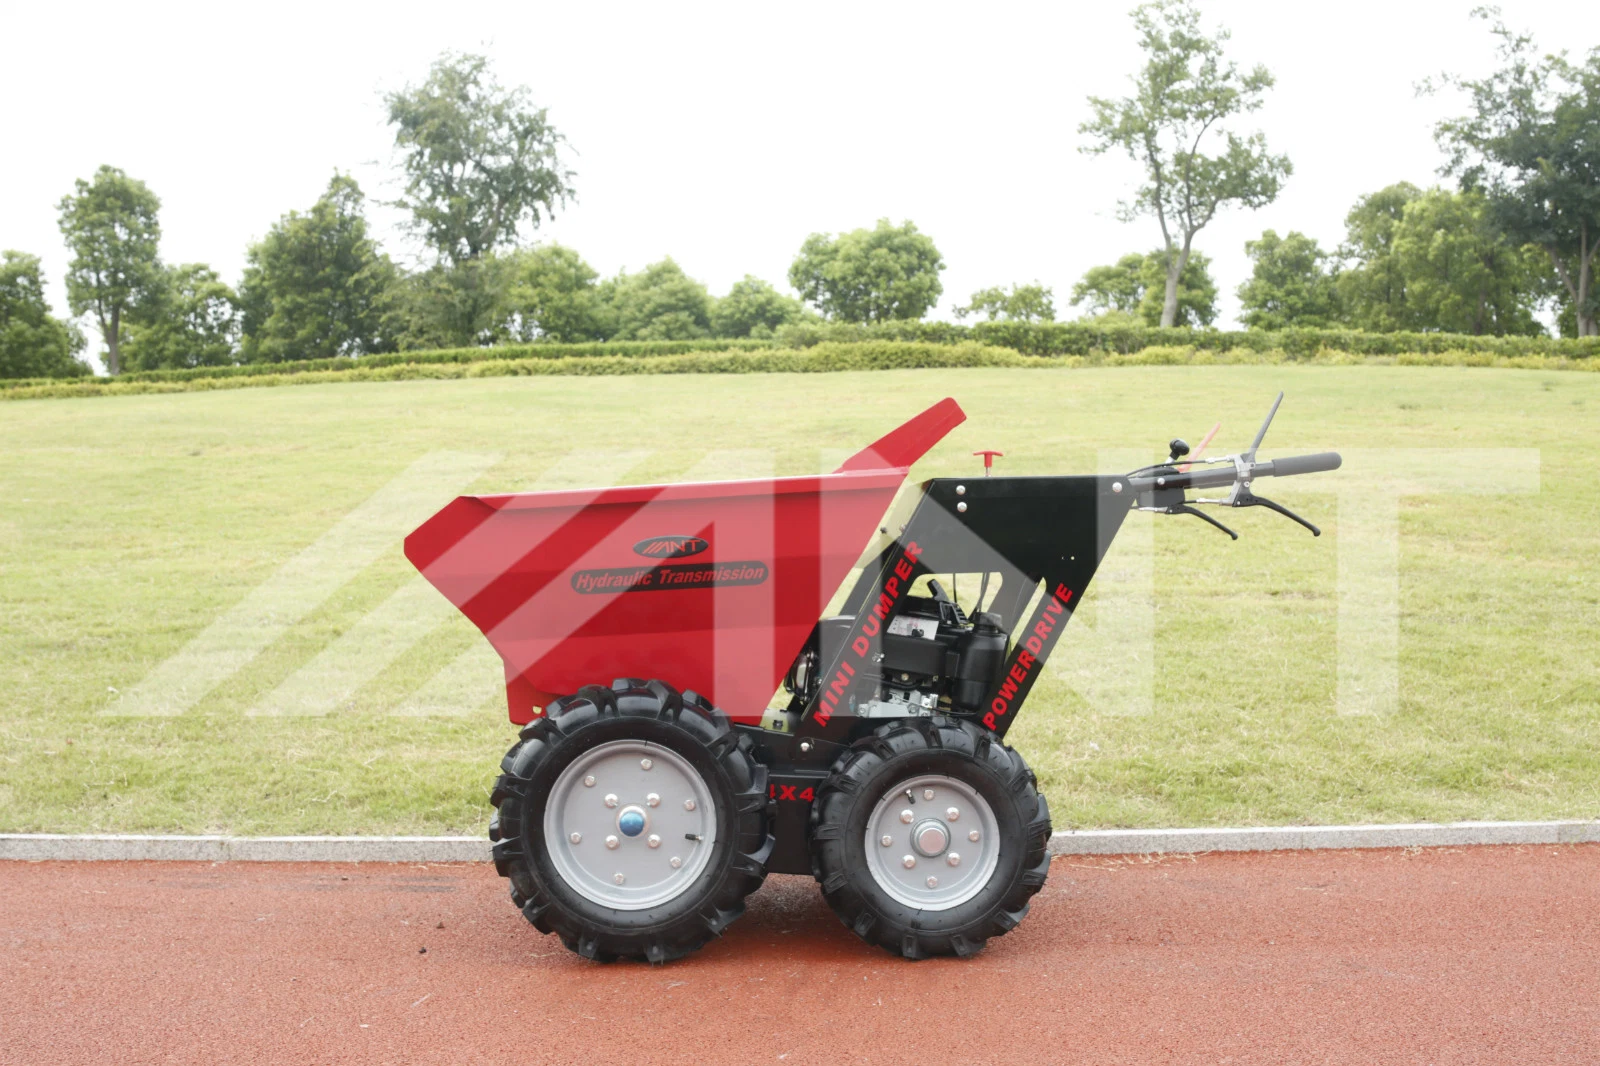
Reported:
(909, 861)
(611, 799)
(588, 782)
(933, 882)
(612, 842)
(927, 793)
(688, 805)
(952, 814)
(906, 816)
(953, 859)
(676, 862)
(973, 836)
(645, 764)
(654, 841)
(886, 840)
(618, 878)
(576, 838)
(652, 800)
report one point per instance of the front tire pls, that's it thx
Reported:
(632, 822)
(964, 864)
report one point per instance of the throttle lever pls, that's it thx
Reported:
(1246, 498)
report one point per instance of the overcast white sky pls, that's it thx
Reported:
(720, 134)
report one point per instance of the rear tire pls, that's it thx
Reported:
(557, 852)
(961, 868)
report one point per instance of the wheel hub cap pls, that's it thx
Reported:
(632, 821)
(931, 838)
(910, 857)
(608, 841)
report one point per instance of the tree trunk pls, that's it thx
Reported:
(1587, 326)
(113, 347)
(1169, 306)
(1578, 288)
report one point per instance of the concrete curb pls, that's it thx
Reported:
(1303, 837)
(37, 847)
(101, 848)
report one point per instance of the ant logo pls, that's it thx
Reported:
(670, 547)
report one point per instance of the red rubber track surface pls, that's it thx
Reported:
(1488, 955)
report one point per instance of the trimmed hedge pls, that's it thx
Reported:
(1046, 339)
(449, 355)
(1088, 338)
(822, 357)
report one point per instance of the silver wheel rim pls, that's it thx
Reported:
(931, 861)
(621, 815)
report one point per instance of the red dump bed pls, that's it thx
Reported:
(711, 586)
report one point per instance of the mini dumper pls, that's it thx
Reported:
(634, 815)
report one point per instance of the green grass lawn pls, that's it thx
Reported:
(129, 524)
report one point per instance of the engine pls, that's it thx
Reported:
(932, 658)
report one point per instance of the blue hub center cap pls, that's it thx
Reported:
(631, 821)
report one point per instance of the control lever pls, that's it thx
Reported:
(1184, 508)
(1246, 498)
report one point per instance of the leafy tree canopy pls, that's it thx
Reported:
(1462, 274)
(33, 342)
(1175, 126)
(112, 230)
(1531, 143)
(551, 295)
(457, 305)
(1291, 284)
(753, 308)
(480, 161)
(192, 320)
(317, 285)
(659, 303)
(1022, 303)
(1136, 284)
(869, 275)
(1437, 260)
(1372, 288)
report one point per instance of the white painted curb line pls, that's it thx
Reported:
(99, 848)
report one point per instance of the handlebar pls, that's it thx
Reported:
(1219, 476)
(1290, 465)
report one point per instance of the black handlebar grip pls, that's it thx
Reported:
(1304, 464)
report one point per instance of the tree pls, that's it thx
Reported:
(33, 342)
(1024, 303)
(1290, 284)
(1372, 288)
(1119, 287)
(1461, 274)
(317, 285)
(480, 160)
(111, 228)
(1137, 285)
(551, 296)
(463, 305)
(659, 303)
(753, 308)
(869, 275)
(1436, 260)
(1184, 94)
(192, 320)
(1531, 144)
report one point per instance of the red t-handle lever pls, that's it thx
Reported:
(988, 459)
